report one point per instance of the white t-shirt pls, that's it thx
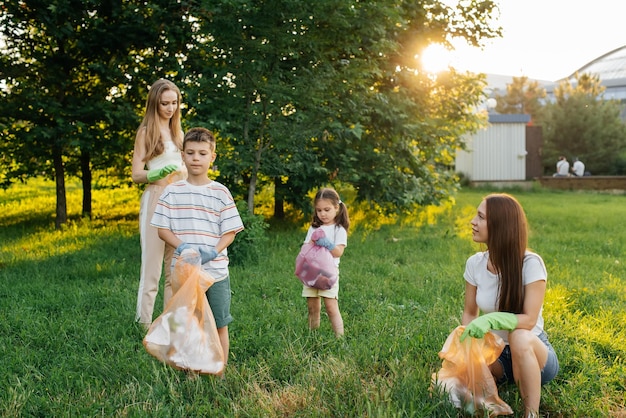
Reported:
(171, 155)
(337, 234)
(579, 168)
(562, 168)
(486, 283)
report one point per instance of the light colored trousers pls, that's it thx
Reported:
(154, 252)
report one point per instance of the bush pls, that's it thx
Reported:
(619, 168)
(250, 242)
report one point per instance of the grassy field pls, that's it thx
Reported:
(69, 346)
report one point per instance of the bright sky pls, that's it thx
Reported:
(546, 39)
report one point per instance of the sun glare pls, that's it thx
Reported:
(436, 58)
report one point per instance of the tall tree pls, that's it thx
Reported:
(523, 96)
(332, 90)
(302, 92)
(581, 123)
(68, 67)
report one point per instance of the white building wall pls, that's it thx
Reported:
(497, 153)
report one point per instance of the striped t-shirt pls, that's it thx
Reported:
(199, 215)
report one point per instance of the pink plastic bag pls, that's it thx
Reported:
(315, 265)
(465, 374)
(184, 335)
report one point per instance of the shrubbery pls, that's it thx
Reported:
(250, 242)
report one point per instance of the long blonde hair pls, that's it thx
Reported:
(150, 122)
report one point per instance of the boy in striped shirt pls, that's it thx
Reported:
(200, 213)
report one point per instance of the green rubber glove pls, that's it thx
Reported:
(494, 320)
(159, 173)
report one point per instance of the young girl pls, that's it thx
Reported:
(508, 284)
(332, 216)
(157, 153)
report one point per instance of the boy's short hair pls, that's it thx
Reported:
(200, 135)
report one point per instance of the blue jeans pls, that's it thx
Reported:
(548, 372)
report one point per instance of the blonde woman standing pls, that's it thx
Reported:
(157, 154)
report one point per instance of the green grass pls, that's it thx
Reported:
(69, 346)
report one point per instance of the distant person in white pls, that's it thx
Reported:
(562, 167)
(578, 168)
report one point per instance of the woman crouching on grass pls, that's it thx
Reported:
(508, 284)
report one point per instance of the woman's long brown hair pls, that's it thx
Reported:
(507, 240)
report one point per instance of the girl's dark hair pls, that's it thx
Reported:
(341, 218)
(507, 240)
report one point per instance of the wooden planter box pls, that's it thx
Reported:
(584, 183)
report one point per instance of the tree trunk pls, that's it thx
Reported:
(59, 174)
(254, 176)
(252, 184)
(85, 169)
(279, 199)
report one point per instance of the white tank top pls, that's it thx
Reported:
(171, 155)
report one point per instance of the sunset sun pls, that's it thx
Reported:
(436, 58)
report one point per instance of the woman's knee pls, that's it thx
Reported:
(524, 345)
(520, 336)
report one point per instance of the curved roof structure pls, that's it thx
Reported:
(610, 69)
(609, 66)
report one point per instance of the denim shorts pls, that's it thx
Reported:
(548, 372)
(219, 301)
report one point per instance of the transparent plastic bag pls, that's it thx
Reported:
(184, 335)
(315, 265)
(465, 374)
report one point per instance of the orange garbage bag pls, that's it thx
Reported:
(465, 374)
(184, 335)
